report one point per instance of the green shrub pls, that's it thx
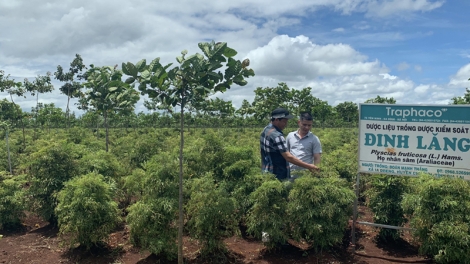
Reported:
(153, 218)
(86, 211)
(441, 216)
(343, 160)
(211, 213)
(49, 168)
(385, 196)
(318, 210)
(11, 200)
(268, 213)
(103, 163)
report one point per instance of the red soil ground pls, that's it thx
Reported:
(37, 242)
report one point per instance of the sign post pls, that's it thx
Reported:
(406, 140)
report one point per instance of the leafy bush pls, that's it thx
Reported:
(441, 216)
(268, 213)
(50, 167)
(11, 200)
(101, 162)
(385, 196)
(238, 161)
(211, 212)
(86, 211)
(343, 160)
(152, 219)
(318, 210)
(135, 151)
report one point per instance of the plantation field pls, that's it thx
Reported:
(68, 200)
(38, 242)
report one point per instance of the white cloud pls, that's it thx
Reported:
(400, 7)
(403, 66)
(418, 68)
(37, 36)
(294, 58)
(460, 79)
(422, 88)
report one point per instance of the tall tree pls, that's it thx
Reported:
(193, 80)
(71, 86)
(269, 98)
(303, 100)
(348, 111)
(42, 84)
(245, 109)
(465, 99)
(107, 93)
(381, 100)
(13, 88)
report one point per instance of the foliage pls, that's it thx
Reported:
(152, 219)
(381, 100)
(343, 160)
(107, 93)
(103, 163)
(441, 217)
(385, 196)
(268, 213)
(210, 213)
(11, 200)
(348, 111)
(318, 210)
(465, 99)
(50, 167)
(86, 211)
(190, 83)
(71, 87)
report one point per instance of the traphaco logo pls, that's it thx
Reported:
(414, 112)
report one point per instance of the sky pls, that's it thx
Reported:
(416, 51)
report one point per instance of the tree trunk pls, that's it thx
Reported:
(8, 151)
(36, 118)
(21, 121)
(180, 204)
(106, 127)
(67, 111)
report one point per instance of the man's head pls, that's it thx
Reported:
(305, 122)
(280, 117)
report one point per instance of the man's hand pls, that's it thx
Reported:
(313, 168)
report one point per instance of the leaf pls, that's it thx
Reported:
(130, 80)
(132, 69)
(179, 59)
(141, 65)
(229, 52)
(142, 86)
(204, 46)
(154, 65)
(219, 48)
(125, 68)
(145, 75)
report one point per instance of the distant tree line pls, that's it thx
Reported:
(110, 102)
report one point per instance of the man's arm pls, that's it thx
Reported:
(290, 158)
(317, 158)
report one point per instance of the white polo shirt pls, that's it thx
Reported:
(303, 148)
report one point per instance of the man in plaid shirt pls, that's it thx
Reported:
(275, 156)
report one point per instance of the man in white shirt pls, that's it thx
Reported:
(303, 144)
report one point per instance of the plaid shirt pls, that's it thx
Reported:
(272, 145)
